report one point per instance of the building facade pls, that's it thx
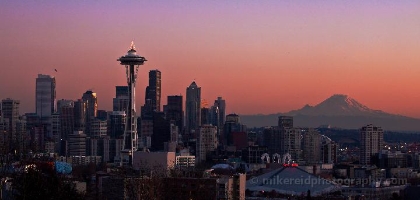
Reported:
(45, 95)
(371, 142)
(193, 109)
(206, 141)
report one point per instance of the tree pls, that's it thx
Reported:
(34, 183)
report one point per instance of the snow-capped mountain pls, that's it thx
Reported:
(337, 111)
(337, 105)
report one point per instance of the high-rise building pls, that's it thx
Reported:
(285, 122)
(91, 102)
(206, 141)
(192, 109)
(232, 125)
(62, 103)
(116, 124)
(77, 144)
(79, 115)
(329, 150)
(98, 128)
(45, 94)
(312, 146)
(121, 91)
(161, 131)
(371, 142)
(272, 140)
(56, 132)
(218, 112)
(10, 112)
(173, 111)
(153, 91)
(291, 142)
(120, 102)
(4, 136)
(205, 116)
(102, 115)
(67, 120)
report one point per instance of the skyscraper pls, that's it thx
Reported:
(371, 142)
(193, 108)
(153, 91)
(312, 146)
(232, 125)
(174, 112)
(10, 112)
(120, 102)
(45, 94)
(79, 115)
(206, 141)
(218, 110)
(285, 122)
(91, 102)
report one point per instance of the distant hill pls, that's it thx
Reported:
(337, 111)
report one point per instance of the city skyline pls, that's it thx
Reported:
(262, 57)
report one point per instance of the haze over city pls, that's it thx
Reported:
(262, 57)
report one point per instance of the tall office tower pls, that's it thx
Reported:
(206, 141)
(312, 146)
(205, 116)
(291, 142)
(161, 131)
(22, 137)
(120, 102)
(116, 124)
(99, 128)
(102, 115)
(79, 115)
(218, 112)
(146, 132)
(285, 122)
(64, 126)
(121, 91)
(32, 120)
(45, 94)
(67, 120)
(56, 131)
(131, 61)
(272, 139)
(91, 102)
(371, 142)
(147, 109)
(231, 126)
(329, 150)
(192, 109)
(64, 102)
(10, 111)
(153, 91)
(173, 111)
(77, 144)
(4, 136)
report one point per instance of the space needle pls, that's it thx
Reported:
(132, 62)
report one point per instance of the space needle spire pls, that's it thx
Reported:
(132, 62)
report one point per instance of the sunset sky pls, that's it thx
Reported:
(261, 56)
